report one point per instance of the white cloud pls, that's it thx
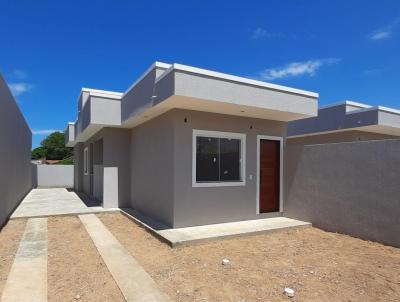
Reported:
(384, 32)
(379, 35)
(259, 33)
(19, 88)
(44, 131)
(295, 69)
(19, 74)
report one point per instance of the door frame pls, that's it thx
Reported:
(272, 138)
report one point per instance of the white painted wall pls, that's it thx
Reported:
(55, 176)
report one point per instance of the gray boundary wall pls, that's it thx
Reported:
(54, 176)
(15, 154)
(351, 188)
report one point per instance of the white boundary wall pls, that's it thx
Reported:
(54, 176)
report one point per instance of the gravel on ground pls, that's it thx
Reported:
(76, 271)
(10, 236)
(317, 265)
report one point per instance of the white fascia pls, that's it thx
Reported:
(377, 108)
(102, 93)
(237, 79)
(349, 103)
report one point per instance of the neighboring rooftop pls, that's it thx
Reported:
(346, 116)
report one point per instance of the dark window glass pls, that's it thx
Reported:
(217, 159)
(229, 159)
(207, 159)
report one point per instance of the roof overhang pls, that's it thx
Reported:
(185, 87)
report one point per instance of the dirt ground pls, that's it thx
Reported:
(10, 237)
(76, 271)
(318, 265)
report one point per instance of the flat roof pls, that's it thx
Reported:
(237, 79)
(367, 118)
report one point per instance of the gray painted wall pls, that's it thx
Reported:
(110, 150)
(161, 169)
(54, 176)
(15, 154)
(105, 111)
(205, 205)
(78, 167)
(351, 188)
(209, 88)
(332, 118)
(139, 98)
(152, 168)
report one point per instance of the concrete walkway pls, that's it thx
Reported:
(184, 236)
(133, 281)
(53, 201)
(27, 280)
(190, 235)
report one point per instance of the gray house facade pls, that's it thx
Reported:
(187, 146)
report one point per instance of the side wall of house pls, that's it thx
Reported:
(110, 166)
(351, 188)
(152, 168)
(78, 167)
(207, 205)
(15, 154)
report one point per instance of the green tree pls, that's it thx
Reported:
(38, 153)
(54, 146)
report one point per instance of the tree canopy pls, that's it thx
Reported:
(38, 153)
(52, 147)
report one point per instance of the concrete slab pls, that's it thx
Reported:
(133, 281)
(27, 280)
(53, 202)
(190, 235)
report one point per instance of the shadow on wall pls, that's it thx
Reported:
(351, 188)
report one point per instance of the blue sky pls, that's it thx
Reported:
(341, 49)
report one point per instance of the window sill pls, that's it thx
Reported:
(218, 184)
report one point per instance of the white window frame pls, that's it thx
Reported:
(218, 134)
(86, 161)
(273, 138)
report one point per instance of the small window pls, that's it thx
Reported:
(218, 158)
(85, 161)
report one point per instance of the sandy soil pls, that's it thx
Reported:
(318, 265)
(74, 265)
(10, 237)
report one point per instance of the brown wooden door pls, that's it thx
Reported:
(269, 175)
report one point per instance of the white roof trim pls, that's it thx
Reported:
(102, 93)
(377, 108)
(321, 132)
(389, 110)
(97, 91)
(350, 103)
(233, 78)
(154, 65)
